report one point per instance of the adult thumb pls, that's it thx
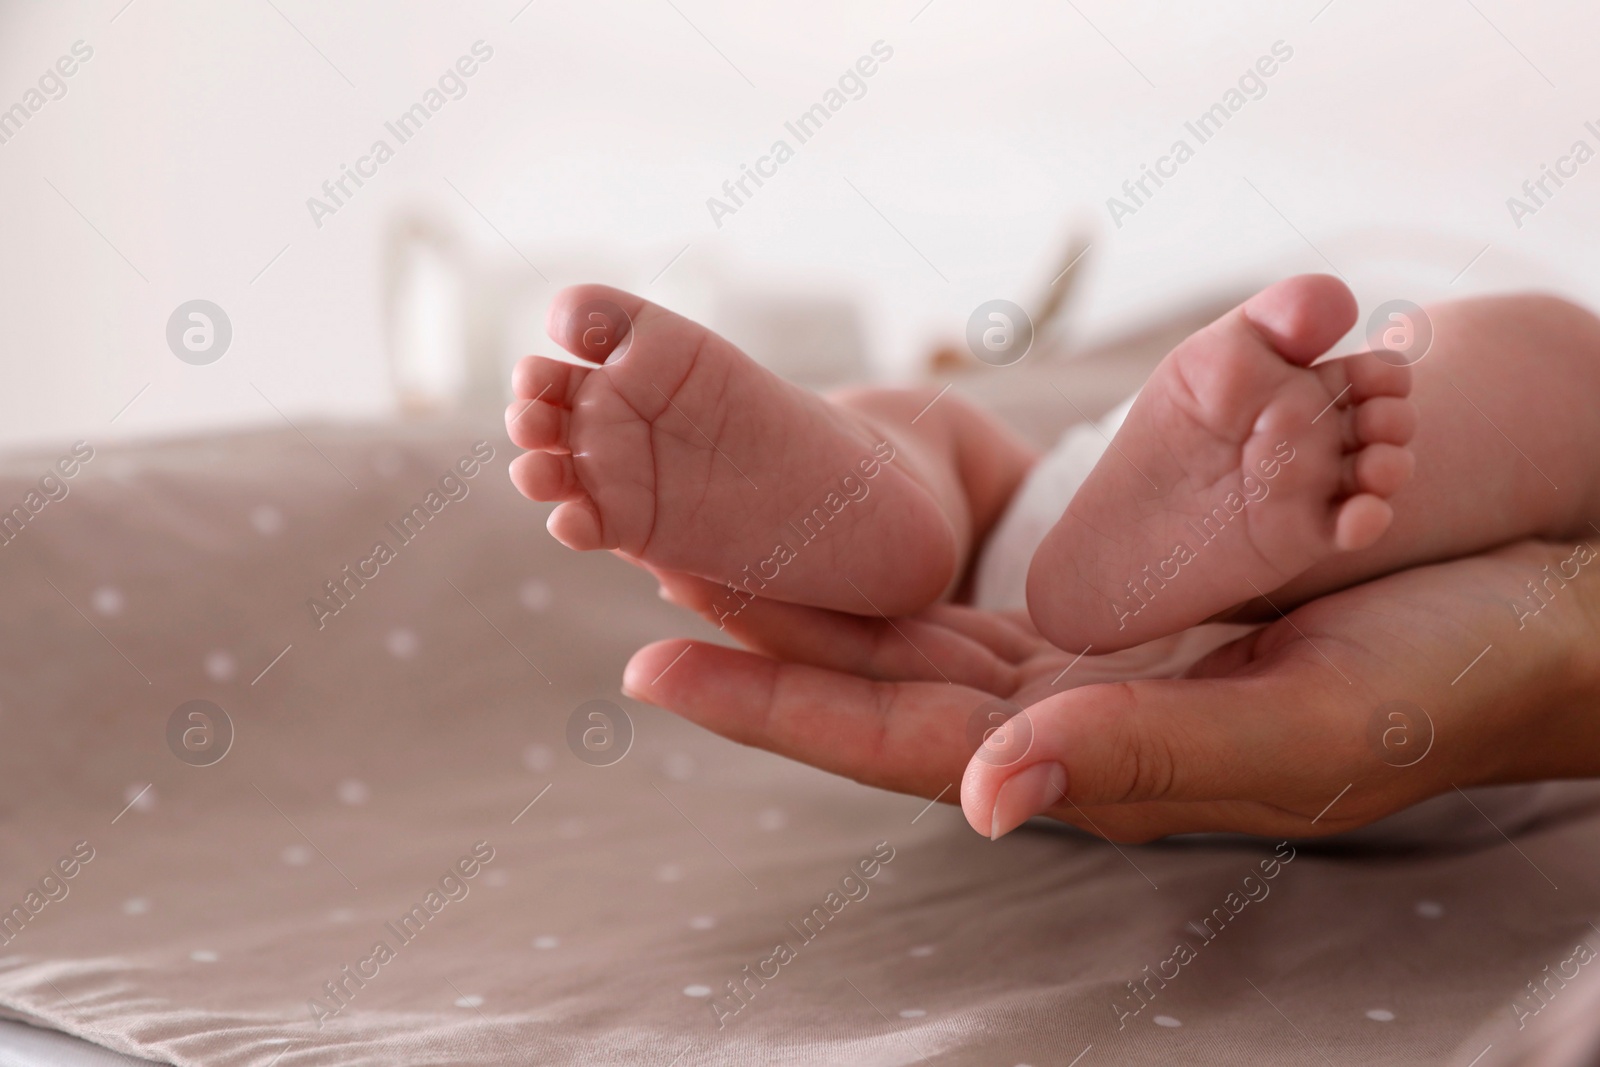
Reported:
(1156, 742)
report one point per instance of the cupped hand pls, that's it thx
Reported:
(1348, 709)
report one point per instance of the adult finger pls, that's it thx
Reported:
(1011, 636)
(907, 736)
(906, 649)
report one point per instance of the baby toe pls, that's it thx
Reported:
(1379, 470)
(1384, 420)
(534, 424)
(576, 524)
(1302, 317)
(1369, 376)
(1361, 521)
(550, 380)
(593, 321)
(546, 476)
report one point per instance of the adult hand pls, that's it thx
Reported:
(1288, 731)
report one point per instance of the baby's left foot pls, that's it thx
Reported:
(1238, 467)
(679, 450)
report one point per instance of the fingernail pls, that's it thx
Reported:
(1025, 795)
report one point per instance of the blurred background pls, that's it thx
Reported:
(177, 160)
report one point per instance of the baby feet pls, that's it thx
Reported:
(678, 450)
(1238, 467)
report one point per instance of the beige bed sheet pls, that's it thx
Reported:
(428, 719)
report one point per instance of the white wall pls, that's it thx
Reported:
(592, 139)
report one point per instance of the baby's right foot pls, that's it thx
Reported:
(685, 454)
(1239, 466)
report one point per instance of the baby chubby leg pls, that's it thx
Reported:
(1506, 441)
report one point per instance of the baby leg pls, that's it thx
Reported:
(1507, 444)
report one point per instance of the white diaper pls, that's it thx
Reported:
(1001, 580)
(1000, 584)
